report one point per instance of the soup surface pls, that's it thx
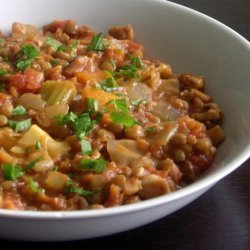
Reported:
(87, 122)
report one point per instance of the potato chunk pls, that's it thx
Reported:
(153, 186)
(56, 181)
(123, 152)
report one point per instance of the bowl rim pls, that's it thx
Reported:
(200, 184)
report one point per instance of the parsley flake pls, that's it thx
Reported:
(2, 72)
(11, 171)
(72, 187)
(55, 44)
(85, 147)
(34, 187)
(26, 56)
(20, 125)
(19, 110)
(131, 69)
(97, 43)
(92, 105)
(97, 165)
(33, 162)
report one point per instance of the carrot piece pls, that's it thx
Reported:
(93, 93)
(85, 76)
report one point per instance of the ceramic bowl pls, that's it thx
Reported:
(189, 41)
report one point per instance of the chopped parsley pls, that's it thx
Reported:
(97, 43)
(109, 84)
(137, 102)
(70, 117)
(58, 46)
(149, 129)
(37, 145)
(97, 165)
(20, 125)
(112, 62)
(83, 124)
(121, 115)
(54, 62)
(85, 147)
(2, 72)
(23, 65)
(55, 44)
(123, 119)
(119, 105)
(73, 47)
(11, 171)
(72, 187)
(29, 51)
(25, 57)
(34, 187)
(137, 61)
(33, 162)
(131, 69)
(92, 105)
(19, 110)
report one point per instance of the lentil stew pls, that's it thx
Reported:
(87, 122)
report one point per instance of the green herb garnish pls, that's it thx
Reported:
(72, 187)
(137, 61)
(34, 187)
(119, 105)
(83, 125)
(137, 102)
(2, 72)
(70, 117)
(54, 62)
(121, 115)
(33, 162)
(85, 147)
(92, 105)
(97, 43)
(123, 119)
(19, 110)
(131, 69)
(97, 165)
(73, 47)
(149, 129)
(112, 62)
(29, 51)
(11, 171)
(20, 125)
(55, 44)
(37, 145)
(109, 84)
(23, 65)
(26, 56)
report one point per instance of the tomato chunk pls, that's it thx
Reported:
(5, 99)
(29, 82)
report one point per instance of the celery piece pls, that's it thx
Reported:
(58, 92)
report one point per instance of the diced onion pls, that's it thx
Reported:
(58, 109)
(139, 91)
(123, 152)
(31, 101)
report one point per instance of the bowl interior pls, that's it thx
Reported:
(187, 40)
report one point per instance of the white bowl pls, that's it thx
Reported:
(189, 41)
